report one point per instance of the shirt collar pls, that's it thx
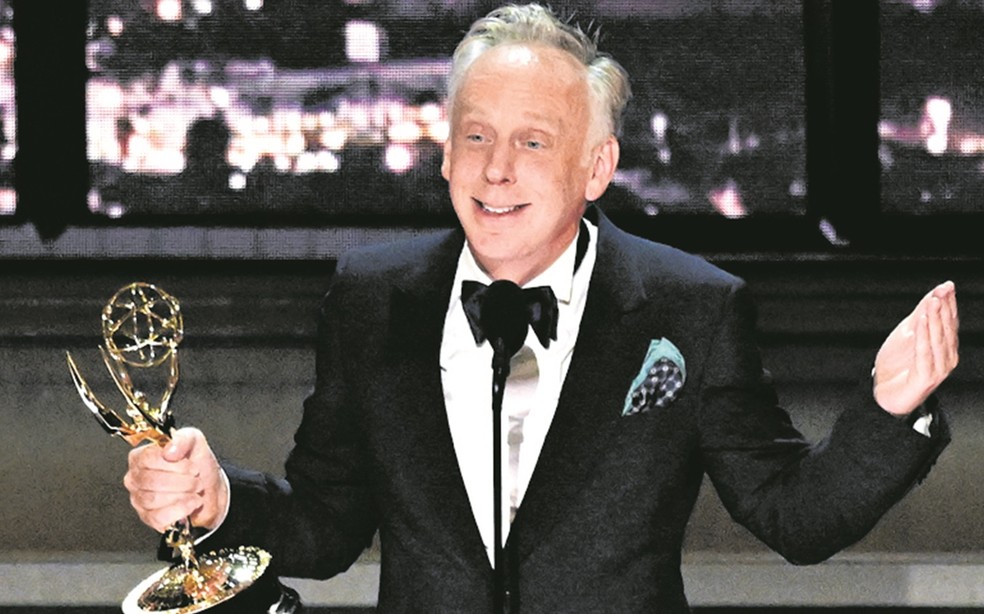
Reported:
(559, 275)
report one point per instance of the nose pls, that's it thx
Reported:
(499, 167)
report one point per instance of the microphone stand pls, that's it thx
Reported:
(500, 372)
(505, 321)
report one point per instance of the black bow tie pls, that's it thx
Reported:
(502, 311)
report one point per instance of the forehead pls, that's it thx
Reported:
(537, 70)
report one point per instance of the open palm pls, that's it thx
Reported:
(919, 354)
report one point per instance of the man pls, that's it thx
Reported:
(650, 380)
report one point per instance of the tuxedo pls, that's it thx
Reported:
(602, 523)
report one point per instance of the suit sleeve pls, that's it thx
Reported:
(319, 518)
(805, 501)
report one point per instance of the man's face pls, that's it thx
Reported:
(518, 160)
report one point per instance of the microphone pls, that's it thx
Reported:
(502, 312)
(505, 320)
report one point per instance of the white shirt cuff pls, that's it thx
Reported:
(922, 423)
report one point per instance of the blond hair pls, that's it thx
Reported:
(608, 83)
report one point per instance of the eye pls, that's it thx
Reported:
(475, 138)
(534, 145)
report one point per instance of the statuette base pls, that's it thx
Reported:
(220, 577)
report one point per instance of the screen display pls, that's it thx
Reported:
(932, 107)
(312, 108)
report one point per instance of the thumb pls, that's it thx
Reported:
(183, 444)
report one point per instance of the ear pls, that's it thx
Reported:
(603, 164)
(446, 160)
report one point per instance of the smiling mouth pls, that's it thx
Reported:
(499, 210)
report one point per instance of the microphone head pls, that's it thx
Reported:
(505, 318)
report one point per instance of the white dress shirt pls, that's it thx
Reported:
(466, 376)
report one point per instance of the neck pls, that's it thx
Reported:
(521, 273)
(507, 271)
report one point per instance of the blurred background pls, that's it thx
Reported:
(831, 152)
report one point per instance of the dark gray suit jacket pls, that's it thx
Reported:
(601, 525)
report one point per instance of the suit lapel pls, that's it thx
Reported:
(423, 436)
(587, 402)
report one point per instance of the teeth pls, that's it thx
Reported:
(499, 211)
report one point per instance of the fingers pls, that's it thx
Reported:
(950, 321)
(183, 444)
(944, 325)
(161, 492)
(177, 481)
(947, 288)
(920, 353)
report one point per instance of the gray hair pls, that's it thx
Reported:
(608, 82)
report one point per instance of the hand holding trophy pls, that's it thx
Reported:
(142, 326)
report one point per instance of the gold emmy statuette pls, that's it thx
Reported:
(142, 326)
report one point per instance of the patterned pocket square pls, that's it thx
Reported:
(660, 380)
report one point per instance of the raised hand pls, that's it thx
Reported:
(919, 354)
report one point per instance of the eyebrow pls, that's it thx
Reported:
(535, 121)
